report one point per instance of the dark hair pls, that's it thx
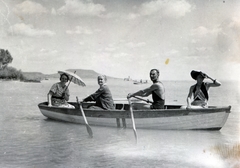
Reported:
(156, 71)
(64, 75)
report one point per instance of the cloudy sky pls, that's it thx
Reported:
(124, 38)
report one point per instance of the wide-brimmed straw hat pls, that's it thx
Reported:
(194, 74)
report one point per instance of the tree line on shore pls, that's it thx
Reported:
(6, 72)
(10, 73)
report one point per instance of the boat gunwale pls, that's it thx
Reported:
(116, 113)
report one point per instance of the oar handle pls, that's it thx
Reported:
(148, 101)
(77, 101)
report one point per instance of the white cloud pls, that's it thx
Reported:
(172, 9)
(234, 22)
(202, 31)
(30, 31)
(133, 16)
(79, 8)
(135, 45)
(122, 55)
(172, 52)
(29, 7)
(110, 49)
(234, 35)
(124, 16)
(47, 51)
(53, 11)
(80, 30)
(81, 43)
(159, 8)
(227, 40)
(111, 15)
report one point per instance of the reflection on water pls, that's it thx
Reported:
(28, 139)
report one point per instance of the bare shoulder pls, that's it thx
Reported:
(158, 85)
(55, 84)
(192, 87)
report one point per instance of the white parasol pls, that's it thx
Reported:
(73, 78)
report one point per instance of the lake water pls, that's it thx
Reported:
(28, 139)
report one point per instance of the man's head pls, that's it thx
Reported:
(154, 74)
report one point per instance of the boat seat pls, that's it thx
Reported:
(118, 106)
(126, 107)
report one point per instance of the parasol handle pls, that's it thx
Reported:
(69, 82)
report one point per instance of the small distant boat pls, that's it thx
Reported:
(170, 118)
(136, 82)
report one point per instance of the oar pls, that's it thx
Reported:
(132, 117)
(89, 130)
(148, 101)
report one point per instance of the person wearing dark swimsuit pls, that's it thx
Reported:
(156, 89)
(199, 91)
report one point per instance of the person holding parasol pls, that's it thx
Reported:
(58, 95)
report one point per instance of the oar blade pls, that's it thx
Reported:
(132, 117)
(135, 134)
(89, 130)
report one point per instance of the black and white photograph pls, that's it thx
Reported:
(120, 83)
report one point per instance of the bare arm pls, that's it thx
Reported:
(215, 83)
(66, 94)
(144, 93)
(189, 97)
(49, 97)
(138, 93)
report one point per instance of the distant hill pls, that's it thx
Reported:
(84, 74)
(34, 75)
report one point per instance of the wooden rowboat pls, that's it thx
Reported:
(170, 118)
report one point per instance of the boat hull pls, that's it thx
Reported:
(173, 118)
